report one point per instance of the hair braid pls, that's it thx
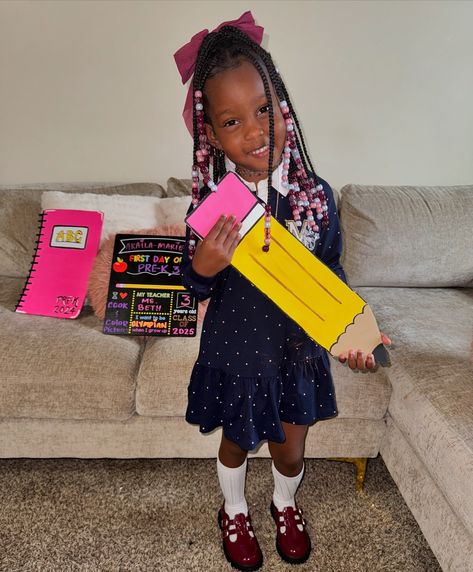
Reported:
(299, 131)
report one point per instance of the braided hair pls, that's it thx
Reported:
(224, 50)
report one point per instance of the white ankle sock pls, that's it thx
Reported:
(285, 488)
(232, 483)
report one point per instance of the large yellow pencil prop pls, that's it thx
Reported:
(307, 290)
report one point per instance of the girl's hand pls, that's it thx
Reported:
(215, 252)
(360, 361)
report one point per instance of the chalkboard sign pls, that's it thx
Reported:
(146, 296)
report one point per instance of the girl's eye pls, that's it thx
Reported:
(230, 123)
(264, 109)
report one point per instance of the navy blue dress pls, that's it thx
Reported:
(256, 367)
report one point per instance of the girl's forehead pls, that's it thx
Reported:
(243, 80)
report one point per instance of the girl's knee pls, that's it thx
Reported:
(289, 466)
(288, 460)
(231, 452)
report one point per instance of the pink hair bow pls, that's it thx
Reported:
(186, 56)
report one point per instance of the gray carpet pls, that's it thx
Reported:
(153, 514)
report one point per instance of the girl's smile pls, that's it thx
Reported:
(238, 110)
(261, 152)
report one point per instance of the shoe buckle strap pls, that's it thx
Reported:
(238, 526)
(285, 517)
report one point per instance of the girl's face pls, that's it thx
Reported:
(238, 110)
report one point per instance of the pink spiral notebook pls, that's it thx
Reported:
(66, 247)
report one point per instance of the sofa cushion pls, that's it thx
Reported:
(20, 206)
(432, 379)
(407, 236)
(19, 218)
(101, 188)
(168, 360)
(166, 365)
(178, 187)
(63, 369)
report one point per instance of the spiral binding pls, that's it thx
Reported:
(35, 260)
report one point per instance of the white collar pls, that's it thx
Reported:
(262, 189)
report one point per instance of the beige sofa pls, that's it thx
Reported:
(67, 390)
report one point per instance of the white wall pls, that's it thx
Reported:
(89, 89)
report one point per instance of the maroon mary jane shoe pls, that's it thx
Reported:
(292, 540)
(243, 552)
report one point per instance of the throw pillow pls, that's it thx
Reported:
(122, 211)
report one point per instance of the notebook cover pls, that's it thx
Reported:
(146, 296)
(67, 243)
(232, 197)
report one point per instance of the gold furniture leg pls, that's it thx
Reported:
(360, 464)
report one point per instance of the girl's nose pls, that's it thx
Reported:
(253, 130)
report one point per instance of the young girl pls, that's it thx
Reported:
(257, 375)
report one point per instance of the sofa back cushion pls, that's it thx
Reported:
(20, 206)
(19, 217)
(407, 236)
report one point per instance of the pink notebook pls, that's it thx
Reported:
(232, 197)
(67, 244)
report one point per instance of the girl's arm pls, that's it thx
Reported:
(329, 247)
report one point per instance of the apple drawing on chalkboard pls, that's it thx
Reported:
(120, 265)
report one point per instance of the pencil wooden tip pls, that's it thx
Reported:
(363, 333)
